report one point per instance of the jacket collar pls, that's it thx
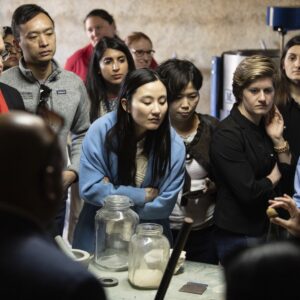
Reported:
(242, 120)
(56, 70)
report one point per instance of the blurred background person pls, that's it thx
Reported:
(288, 102)
(249, 156)
(10, 98)
(97, 24)
(14, 52)
(110, 63)
(141, 48)
(197, 199)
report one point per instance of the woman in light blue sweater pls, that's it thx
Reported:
(132, 152)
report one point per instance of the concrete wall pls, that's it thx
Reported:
(191, 29)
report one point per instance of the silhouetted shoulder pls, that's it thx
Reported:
(12, 97)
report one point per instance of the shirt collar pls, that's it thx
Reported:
(56, 70)
(242, 120)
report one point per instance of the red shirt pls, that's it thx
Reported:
(3, 105)
(78, 63)
(153, 64)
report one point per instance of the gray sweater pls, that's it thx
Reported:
(68, 98)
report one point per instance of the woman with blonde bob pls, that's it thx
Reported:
(249, 156)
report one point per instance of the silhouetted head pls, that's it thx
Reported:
(31, 166)
(269, 271)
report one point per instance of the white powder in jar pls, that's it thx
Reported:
(147, 278)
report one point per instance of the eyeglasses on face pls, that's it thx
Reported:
(11, 48)
(140, 53)
(4, 54)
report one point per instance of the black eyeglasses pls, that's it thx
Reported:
(11, 48)
(141, 53)
(4, 54)
(45, 92)
(54, 120)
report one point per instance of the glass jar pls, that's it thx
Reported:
(149, 252)
(115, 223)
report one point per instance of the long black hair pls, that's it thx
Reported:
(284, 89)
(96, 84)
(120, 138)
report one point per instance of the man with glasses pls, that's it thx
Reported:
(42, 82)
(141, 48)
(10, 98)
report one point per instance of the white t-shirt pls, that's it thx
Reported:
(200, 209)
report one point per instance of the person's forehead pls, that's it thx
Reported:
(40, 22)
(294, 50)
(151, 89)
(96, 20)
(141, 44)
(112, 53)
(8, 38)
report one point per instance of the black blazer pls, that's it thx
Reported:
(12, 97)
(242, 155)
(291, 116)
(32, 267)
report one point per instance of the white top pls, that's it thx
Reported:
(200, 209)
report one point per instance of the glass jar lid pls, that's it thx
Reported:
(149, 229)
(117, 202)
